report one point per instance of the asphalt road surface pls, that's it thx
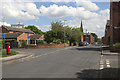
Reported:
(75, 62)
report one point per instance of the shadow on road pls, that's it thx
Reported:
(88, 49)
(104, 74)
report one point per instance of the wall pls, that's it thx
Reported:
(115, 22)
(24, 37)
(49, 46)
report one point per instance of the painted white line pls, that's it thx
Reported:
(101, 66)
(108, 66)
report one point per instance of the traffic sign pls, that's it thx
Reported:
(42, 37)
(3, 35)
(28, 37)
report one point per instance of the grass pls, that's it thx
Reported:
(3, 53)
(116, 44)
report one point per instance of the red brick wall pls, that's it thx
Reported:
(49, 46)
(107, 34)
(115, 22)
(24, 37)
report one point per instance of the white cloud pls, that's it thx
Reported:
(19, 11)
(55, 11)
(5, 23)
(44, 28)
(87, 4)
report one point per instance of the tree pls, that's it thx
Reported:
(34, 29)
(95, 37)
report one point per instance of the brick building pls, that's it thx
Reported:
(21, 34)
(87, 37)
(107, 33)
(115, 22)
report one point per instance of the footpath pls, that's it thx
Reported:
(109, 64)
(19, 57)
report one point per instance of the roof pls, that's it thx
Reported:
(34, 37)
(108, 23)
(18, 29)
(13, 35)
(87, 33)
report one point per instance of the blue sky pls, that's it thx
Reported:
(93, 14)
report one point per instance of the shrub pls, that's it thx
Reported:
(116, 44)
(57, 41)
(41, 42)
(23, 43)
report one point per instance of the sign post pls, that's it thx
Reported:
(28, 40)
(4, 35)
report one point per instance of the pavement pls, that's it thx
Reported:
(69, 62)
(14, 58)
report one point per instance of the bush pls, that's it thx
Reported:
(41, 42)
(23, 43)
(116, 44)
(57, 41)
(4, 53)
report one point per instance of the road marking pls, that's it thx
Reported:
(101, 67)
(108, 63)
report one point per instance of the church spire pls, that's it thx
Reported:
(81, 28)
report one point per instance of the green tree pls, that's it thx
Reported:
(95, 37)
(34, 29)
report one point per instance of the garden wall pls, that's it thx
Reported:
(49, 46)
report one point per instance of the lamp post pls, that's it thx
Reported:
(64, 32)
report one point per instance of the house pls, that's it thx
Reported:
(35, 37)
(114, 22)
(18, 33)
(107, 33)
(87, 37)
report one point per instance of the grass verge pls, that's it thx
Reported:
(4, 53)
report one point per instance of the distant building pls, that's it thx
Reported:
(107, 33)
(114, 22)
(17, 25)
(87, 37)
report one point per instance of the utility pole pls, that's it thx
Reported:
(64, 32)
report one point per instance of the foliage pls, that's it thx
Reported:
(57, 41)
(4, 53)
(95, 37)
(116, 44)
(41, 42)
(23, 43)
(34, 29)
(56, 34)
(99, 41)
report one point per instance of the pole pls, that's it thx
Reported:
(64, 32)
(4, 42)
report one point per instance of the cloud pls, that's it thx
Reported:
(5, 23)
(55, 11)
(44, 28)
(87, 4)
(19, 11)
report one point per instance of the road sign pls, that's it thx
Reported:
(4, 35)
(42, 37)
(28, 37)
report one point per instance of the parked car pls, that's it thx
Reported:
(81, 44)
(85, 43)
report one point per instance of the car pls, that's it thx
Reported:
(85, 43)
(81, 44)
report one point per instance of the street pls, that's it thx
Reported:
(69, 62)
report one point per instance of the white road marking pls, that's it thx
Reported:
(108, 66)
(101, 66)
(108, 63)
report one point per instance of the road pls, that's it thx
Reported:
(75, 62)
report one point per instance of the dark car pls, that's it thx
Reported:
(81, 44)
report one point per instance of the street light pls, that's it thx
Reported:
(64, 32)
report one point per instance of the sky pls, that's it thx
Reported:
(94, 14)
